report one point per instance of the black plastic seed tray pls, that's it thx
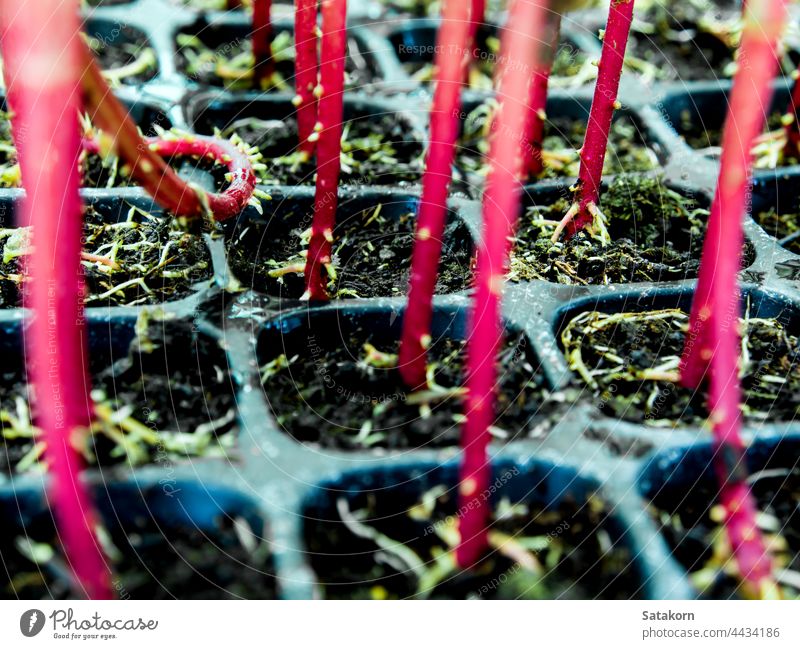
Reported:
(276, 501)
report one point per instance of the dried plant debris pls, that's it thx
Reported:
(629, 362)
(379, 149)
(151, 560)
(391, 545)
(648, 233)
(571, 67)
(350, 395)
(371, 254)
(151, 406)
(782, 224)
(142, 259)
(768, 150)
(215, 58)
(124, 55)
(563, 138)
(692, 525)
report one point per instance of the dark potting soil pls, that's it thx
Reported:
(688, 54)
(170, 397)
(100, 173)
(395, 545)
(568, 63)
(656, 234)
(371, 254)
(348, 394)
(151, 560)
(376, 150)
(215, 57)
(156, 260)
(690, 522)
(783, 225)
(629, 362)
(708, 140)
(626, 152)
(123, 47)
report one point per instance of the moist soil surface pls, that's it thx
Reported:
(392, 545)
(152, 561)
(371, 254)
(691, 526)
(683, 55)
(656, 234)
(569, 65)
(152, 405)
(147, 259)
(563, 137)
(215, 58)
(629, 360)
(348, 394)
(380, 150)
(708, 140)
(783, 225)
(124, 48)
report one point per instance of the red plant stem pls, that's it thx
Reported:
(477, 14)
(146, 166)
(538, 97)
(749, 102)
(329, 147)
(792, 121)
(42, 59)
(604, 102)
(715, 308)
(453, 36)
(263, 64)
(305, 71)
(501, 201)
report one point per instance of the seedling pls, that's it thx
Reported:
(263, 64)
(584, 211)
(454, 35)
(485, 332)
(712, 344)
(143, 156)
(48, 31)
(306, 68)
(329, 92)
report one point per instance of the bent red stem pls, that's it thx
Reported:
(500, 207)
(792, 121)
(329, 147)
(42, 63)
(604, 102)
(453, 37)
(263, 64)
(540, 79)
(146, 166)
(715, 307)
(305, 71)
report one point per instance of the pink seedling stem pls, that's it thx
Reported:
(477, 14)
(42, 69)
(330, 93)
(453, 36)
(715, 308)
(145, 164)
(792, 121)
(501, 203)
(540, 80)
(305, 72)
(604, 103)
(263, 64)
